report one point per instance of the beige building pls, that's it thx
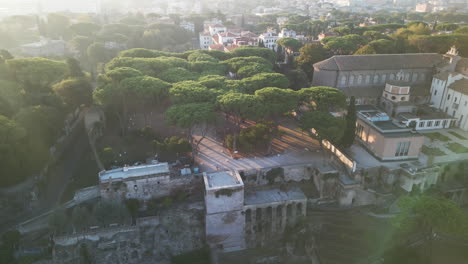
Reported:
(365, 76)
(385, 139)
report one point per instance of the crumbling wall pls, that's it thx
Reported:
(112, 245)
(154, 239)
(264, 176)
(151, 187)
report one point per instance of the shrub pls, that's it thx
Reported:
(273, 174)
(254, 137)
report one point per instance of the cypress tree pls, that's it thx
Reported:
(350, 131)
(261, 44)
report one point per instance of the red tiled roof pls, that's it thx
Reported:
(219, 47)
(216, 39)
(231, 47)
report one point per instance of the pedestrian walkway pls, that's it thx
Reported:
(295, 148)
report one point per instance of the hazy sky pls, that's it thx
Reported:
(28, 6)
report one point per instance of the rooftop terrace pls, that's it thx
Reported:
(222, 179)
(273, 196)
(134, 171)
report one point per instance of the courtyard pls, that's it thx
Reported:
(292, 148)
(446, 145)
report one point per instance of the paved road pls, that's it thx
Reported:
(58, 177)
(62, 172)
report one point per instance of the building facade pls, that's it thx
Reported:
(449, 88)
(365, 76)
(384, 139)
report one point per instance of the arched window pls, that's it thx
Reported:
(407, 75)
(351, 79)
(384, 78)
(392, 76)
(376, 78)
(343, 80)
(422, 77)
(359, 79)
(415, 77)
(368, 78)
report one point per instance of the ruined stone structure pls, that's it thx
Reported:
(236, 220)
(268, 212)
(144, 182)
(224, 200)
(152, 239)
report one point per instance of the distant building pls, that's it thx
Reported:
(269, 39)
(365, 76)
(449, 88)
(136, 182)
(384, 138)
(424, 8)
(216, 29)
(205, 40)
(326, 34)
(287, 33)
(44, 48)
(189, 26)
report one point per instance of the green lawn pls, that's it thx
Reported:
(437, 136)
(432, 151)
(457, 148)
(458, 135)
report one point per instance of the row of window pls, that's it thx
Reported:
(429, 123)
(454, 100)
(402, 149)
(269, 41)
(394, 98)
(379, 79)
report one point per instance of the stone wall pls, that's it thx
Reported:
(267, 221)
(154, 239)
(264, 176)
(151, 187)
(111, 245)
(340, 156)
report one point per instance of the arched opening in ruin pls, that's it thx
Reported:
(279, 215)
(289, 210)
(299, 209)
(268, 218)
(289, 214)
(248, 215)
(258, 219)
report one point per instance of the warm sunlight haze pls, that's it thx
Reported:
(234, 131)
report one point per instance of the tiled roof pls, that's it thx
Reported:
(462, 66)
(249, 34)
(369, 91)
(231, 47)
(442, 76)
(228, 34)
(380, 62)
(460, 86)
(219, 47)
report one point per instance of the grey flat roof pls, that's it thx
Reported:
(220, 179)
(347, 180)
(134, 171)
(387, 125)
(380, 62)
(273, 196)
